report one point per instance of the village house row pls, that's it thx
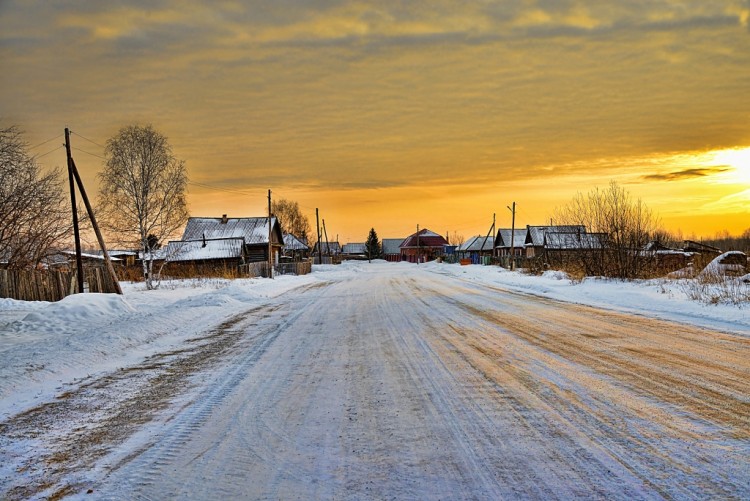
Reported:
(224, 243)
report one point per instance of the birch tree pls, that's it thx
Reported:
(34, 214)
(142, 191)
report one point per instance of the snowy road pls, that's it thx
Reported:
(401, 383)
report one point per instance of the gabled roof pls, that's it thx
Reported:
(476, 244)
(574, 241)
(328, 247)
(504, 240)
(356, 248)
(204, 250)
(535, 234)
(391, 245)
(253, 229)
(692, 246)
(293, 243)
(423, 238)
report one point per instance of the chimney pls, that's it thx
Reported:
(224, 219)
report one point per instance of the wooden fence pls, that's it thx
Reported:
(254, 270)
(28, 285)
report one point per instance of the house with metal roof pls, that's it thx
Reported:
(391, 248)
(227, 250)
(535, 237)
(327, 248)
(476, 248)
(294, 248)
(422, 246)
(253, 230)
(357, 249)
(507, 238)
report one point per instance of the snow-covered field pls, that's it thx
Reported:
(53, 349)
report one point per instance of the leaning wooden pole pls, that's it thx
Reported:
(76, 231)
(270, 234)
(107, 260)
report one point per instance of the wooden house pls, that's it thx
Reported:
(425, 245)
(253, 230)
(534, 240)
(476, 249)
(205, 256)
(509, 241)
(327, 249)
(356, 250)
(295, 249)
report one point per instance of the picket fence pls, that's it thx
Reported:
(48, 285)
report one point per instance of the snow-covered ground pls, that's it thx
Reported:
(43, 345)
(47, 349)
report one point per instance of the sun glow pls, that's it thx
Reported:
(738, 160)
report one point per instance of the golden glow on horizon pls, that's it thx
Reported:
(738, 160)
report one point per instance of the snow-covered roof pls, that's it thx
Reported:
(728, 263)
(253, 229)
(204, 250)
(355, 248)
(391, 245)
(571, 241)
(87, 255)
(329, 247)
(535, 234)
(293, 243)
(476, 244)
(504, 239)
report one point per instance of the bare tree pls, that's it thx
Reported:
(34, 216)
(626, 224)
(456, 238)
(142, 191)
(291, 218)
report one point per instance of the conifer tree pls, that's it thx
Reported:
(372, 246)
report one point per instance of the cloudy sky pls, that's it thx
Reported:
(393, 114)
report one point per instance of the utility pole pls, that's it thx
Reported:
(76, 231)
(320, 247)
(513, 238)
(270, 234)
(90, 210)
(492, 230)
(418, 249)
(325, 235)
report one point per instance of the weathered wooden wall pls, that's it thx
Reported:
(45, 285)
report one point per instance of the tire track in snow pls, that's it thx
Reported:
(592, 389)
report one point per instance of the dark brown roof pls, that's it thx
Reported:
(425, 238)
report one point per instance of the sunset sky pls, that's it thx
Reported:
(392, 114)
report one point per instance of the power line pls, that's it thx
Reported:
(45, 154)
(87, 139)
(45, 142)
(88, 152)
